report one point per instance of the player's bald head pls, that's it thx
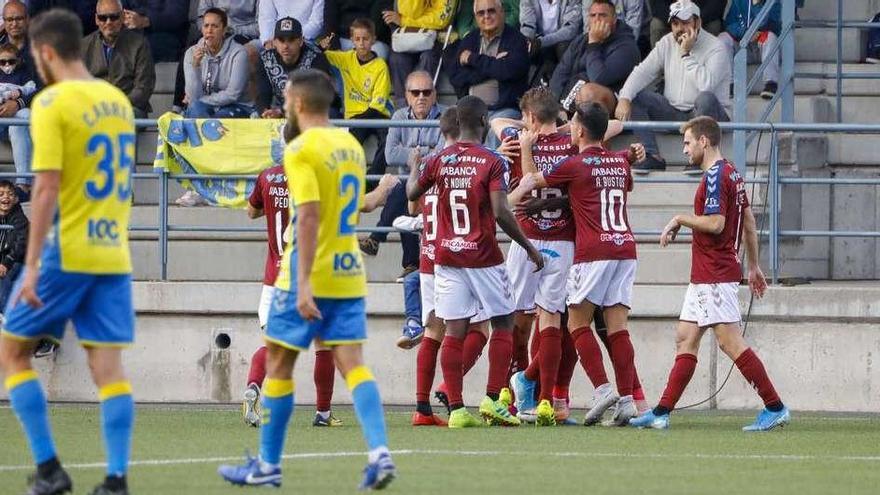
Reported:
(313, 89)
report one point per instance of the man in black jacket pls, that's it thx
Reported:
(712, 12)
(13, 242)
(491, 63)
(602, 59)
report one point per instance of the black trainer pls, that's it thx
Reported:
(692, 170)
(55, 483)
(769, 91)
(112, 486)
(651, 163)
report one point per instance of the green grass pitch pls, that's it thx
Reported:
(177, 450)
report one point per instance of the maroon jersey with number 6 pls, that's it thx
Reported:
(598, 182)
(270, 194)
(465, 174)
(714, 258)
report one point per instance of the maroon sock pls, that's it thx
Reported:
(550, 355)
(450, 363)
(533, 371)
(500, 354)
(325, 372)
(567, 364)
(622, 356)
(638, 393)
(426, 365)
(752, 369)
(474, 342)
(590, 354)
(681, 374)
(257, 371)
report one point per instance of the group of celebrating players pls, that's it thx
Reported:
(573, 254)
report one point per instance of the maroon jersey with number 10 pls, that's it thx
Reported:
(270, 194)
(465, 174)
(599, 182)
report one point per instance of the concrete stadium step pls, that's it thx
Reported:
(852, 10)
(244, 260)
(166, 73)
(820, 45)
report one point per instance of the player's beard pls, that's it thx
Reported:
(44, 71)
(291, 129)
(696, 157)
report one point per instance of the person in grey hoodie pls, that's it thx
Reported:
(696, 70)
(216, 72)
(603, 58)
(549, 25)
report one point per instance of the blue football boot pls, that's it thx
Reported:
(767, 420)
(250, 474)
(379, 474)
(524, 391)
(651, 420)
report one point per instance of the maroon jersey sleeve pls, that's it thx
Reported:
(427, 169)
(256, 197)
(562, 173)
(498, 175)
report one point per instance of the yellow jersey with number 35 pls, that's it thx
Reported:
(326, 165)
(85, 130)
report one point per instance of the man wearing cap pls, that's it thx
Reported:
(696, 69)
(289, 52)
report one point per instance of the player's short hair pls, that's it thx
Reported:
(315, 88)
(703, 126)
(449, 123)
(362, 23)
(541, 102)
(224, 18)
(472, 113)
(594, 118)
(61, 29)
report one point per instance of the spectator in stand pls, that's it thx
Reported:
(290, 53)
(121, 57)
(738, 20)
(402, 142)
(84, 9)
(13, 242)
(632, 12)
(412, 16)
(492, 63)
(242, 16)
(366, 86)
(309, 13)
(465, 22)
(18, 69)
(339, 14)
(599, 61)
(696, 71)
(165, 23)
(216, 72)
(712, 13)
(550, 26)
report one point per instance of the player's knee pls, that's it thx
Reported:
(14, 356)
(686, 344)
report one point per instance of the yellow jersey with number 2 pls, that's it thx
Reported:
(326, 165)
(85, 130)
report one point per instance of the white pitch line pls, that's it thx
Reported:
(479, 453)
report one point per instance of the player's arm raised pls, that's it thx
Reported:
(757, 282)
(419, 181)
(527, 184)
(43, 201)
(508, 224)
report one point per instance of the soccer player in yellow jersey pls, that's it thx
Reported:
(78, 266)
(321, 285)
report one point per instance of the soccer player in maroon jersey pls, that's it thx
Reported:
(469, 272)
(270, 198)
(722, 218)
(604, 266)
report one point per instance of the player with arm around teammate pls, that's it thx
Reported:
(722, 219)
(604, 266)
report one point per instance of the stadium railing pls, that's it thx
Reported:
(772, 181)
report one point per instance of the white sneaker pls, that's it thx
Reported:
(603, 398)
(190, 199)
(530, 416)
(250, 406)
(407, 223)
(625, 410)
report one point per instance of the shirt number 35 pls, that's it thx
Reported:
(115, 161)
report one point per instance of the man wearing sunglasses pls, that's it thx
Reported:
(491, 63)
(121, 56)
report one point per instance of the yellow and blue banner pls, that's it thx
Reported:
(219, 147)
